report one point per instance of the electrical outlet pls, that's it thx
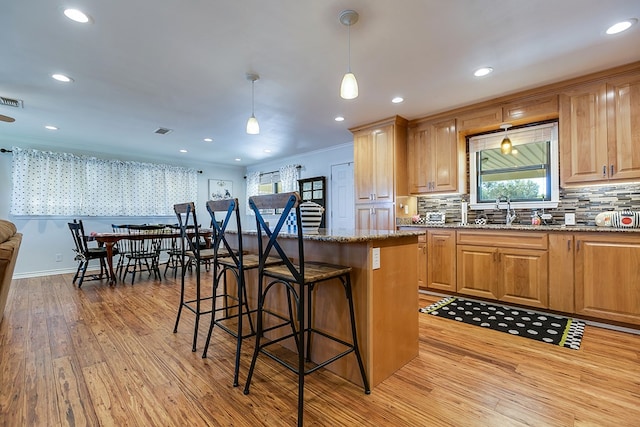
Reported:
(58, 257)
(375, 255)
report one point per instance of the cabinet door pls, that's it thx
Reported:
(583, 135)
(433, 157)
(443, 153)
(441, 256)
(624, 128)
(422, 262)
(375, 216)
(561, 290)
(529, 110)
(477, 271)
(608, 277)
(383, 161)
(523, 277)
(363, 166)
(418, 160)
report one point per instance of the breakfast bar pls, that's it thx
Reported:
(385, 292)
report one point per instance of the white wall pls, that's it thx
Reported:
(44, 237)
(314, 163)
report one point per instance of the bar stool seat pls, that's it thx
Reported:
(299, 279)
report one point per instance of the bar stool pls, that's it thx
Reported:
(299, 280)
(192, 251)
(235, 261)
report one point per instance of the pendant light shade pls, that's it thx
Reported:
(349, 86)
(253, 128)
(505, 145)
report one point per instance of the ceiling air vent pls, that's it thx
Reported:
(9, 102)
(163, 131)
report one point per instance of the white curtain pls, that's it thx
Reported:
(289, 176)
(47, 183)
(253, 187)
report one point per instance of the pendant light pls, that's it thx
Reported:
(505, 145)
(253, 128)
(349, 86)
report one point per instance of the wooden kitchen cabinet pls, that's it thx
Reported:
(561, 272)
(380, 161)
(480, 120)
(508, 266)
(607, 276)
(529, 110)
(422, 261)
(375, 216)
(380, 164)
(433, 152)
(599, 124)
(441, 259)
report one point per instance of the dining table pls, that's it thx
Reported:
(110, 239)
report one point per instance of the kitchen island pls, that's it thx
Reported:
(385, 294)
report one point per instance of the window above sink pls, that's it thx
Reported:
(528, 175)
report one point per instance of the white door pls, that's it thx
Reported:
(342, 197)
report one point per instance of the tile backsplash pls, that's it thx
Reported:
(585, 202)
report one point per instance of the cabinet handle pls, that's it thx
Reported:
(604, 171)
(568, 245)
(611, 171)
(578, 246)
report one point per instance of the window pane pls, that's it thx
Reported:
(522, 175)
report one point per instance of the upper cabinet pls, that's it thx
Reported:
(380, 160)
(599, 123)
(433, 155)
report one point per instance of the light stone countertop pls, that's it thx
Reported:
(346, 236)
(525, 227)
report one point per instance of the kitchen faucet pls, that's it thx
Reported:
(510, 214)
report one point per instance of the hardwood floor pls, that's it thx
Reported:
(107, 356)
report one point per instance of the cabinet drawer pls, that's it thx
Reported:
(505, 239)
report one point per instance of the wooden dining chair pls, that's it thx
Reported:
(84, 254)
(144, 252)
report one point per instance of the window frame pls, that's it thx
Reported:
(518, 136)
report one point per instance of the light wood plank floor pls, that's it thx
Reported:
(107, 356)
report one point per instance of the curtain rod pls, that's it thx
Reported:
(4, 150)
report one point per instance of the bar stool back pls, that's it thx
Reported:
(193, 253)
(235, 261)
(299, 278)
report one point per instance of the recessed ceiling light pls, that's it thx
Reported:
(76, 15)
(267, 150)
(397, 100)
(50, 127)
(208, 140)
(621, 26)
(62, 78)
(237, 159)
(339, 119)
(183, 151)
(481, 72)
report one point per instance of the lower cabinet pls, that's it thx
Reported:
(375, 216)
(422, 261)
(511, 267)
(607, 276)
(441, 259)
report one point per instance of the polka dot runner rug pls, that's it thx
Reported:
(548, 328)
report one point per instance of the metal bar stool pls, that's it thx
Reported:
(299, 280)
(236, 262)
(196, 255)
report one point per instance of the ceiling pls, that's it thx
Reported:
(145, 64)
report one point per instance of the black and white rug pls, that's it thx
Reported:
(549, 328)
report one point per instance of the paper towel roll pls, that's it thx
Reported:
(463, 213)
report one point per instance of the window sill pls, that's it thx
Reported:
(514, 205)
